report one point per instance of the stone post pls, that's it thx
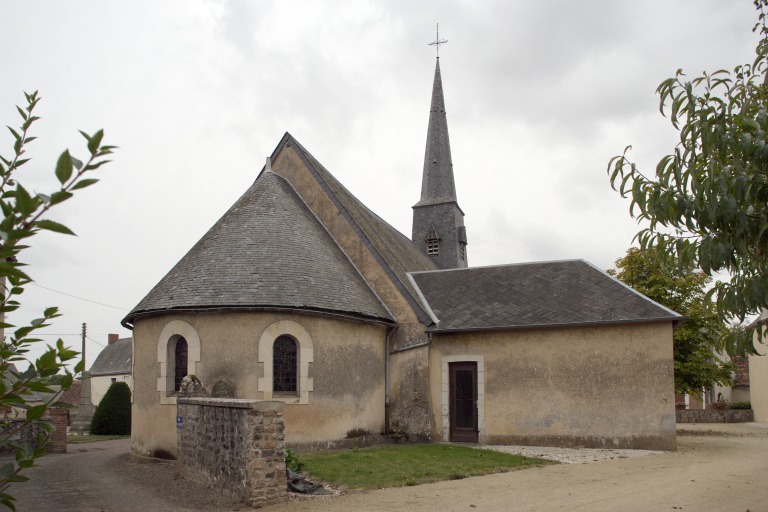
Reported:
(85, 410)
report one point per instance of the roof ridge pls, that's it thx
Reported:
(336, 242)
(309, 160)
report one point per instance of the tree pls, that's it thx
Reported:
(707, 205)
(682, 289)
(113, 415)
(25, 214)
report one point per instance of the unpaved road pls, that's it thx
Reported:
(716, 468)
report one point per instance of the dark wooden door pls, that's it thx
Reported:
(463, 402)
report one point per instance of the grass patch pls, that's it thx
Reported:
(89, 438)
(396, 466)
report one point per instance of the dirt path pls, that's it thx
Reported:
(717, 468)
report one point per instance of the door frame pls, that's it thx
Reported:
(469, 433)
(445, 390)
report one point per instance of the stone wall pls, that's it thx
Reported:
(713, 416)
(28, 434)
(234, 446)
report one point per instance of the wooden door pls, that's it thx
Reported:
(463, 402)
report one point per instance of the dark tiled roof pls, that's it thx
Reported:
(267, 251)
(72, 395)
(437, 184)
(114, 359)
(396, 253)
(527, 295)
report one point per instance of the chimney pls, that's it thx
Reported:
(111, 338)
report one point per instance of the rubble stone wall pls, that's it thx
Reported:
(235, 446)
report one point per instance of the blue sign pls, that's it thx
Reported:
(179, 422)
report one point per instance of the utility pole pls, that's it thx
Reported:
(83, 354)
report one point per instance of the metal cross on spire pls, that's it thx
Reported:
(437, 42)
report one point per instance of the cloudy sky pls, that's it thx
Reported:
(539, 95)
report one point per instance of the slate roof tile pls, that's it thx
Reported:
(267, 251)
(116, 358)
(527, 295)
(396, 253)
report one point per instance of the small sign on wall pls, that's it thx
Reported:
(179, 422)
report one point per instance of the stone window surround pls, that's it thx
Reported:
(167, 362)
(445, 394)
(305, 355)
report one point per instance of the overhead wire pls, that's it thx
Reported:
(80, 298)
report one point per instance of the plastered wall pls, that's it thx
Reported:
(346, 374)
(598, 386)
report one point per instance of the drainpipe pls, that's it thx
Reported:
(386, 382)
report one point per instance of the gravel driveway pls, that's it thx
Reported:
(716, 467)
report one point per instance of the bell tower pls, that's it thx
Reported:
(438, 222)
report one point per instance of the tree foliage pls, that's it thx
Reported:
(25, 214)
(707, 204)
(682, 289)
(113, 415)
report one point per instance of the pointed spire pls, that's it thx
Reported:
(438, 222)
(437, 184)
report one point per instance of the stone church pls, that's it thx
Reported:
(301, 294)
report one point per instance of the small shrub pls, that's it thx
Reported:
(292, 461)
(358, 432)
(721, 404)
(113, 415)
(741, 405)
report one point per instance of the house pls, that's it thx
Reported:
(301, 294)
(112, 365)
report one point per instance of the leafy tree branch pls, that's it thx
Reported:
(29, 393)
(707, 204)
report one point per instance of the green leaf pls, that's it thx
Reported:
(60, 196)
(36, 412)
(95, 141)
(15, 134)
(84, 183)
(50, 225)
(64, 167)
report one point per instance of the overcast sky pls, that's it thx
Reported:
(539, 96)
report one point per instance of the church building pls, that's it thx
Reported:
(302, 294)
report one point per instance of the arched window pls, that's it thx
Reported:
(284, 367)
(172, 366)
(180, 355)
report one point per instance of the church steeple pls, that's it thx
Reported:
(437, 184)
(438, 222)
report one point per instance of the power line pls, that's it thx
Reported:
(96, 342)
(80, 298)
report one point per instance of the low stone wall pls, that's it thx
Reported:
(27, 435)
(235, 446)
(714, 415)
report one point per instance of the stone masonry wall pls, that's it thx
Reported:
(713, 416)
(27, 435)
(234, 446)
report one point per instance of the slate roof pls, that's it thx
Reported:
(268, 251)
(115, 359)
(533, 295)
(394, 251)
(437, 183)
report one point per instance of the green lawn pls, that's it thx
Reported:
(395, 466)
(88, 439)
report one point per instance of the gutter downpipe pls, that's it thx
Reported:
(386, 382)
